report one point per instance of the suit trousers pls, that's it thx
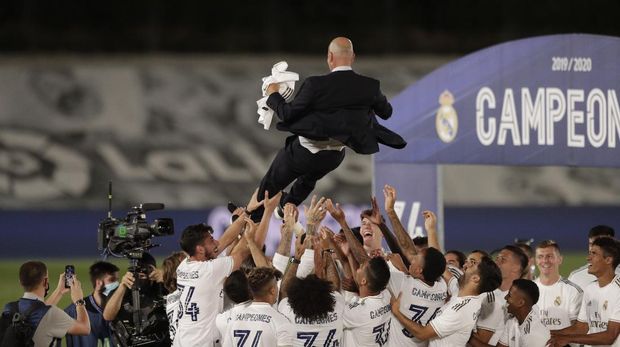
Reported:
(296, 163)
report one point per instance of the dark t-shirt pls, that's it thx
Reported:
(153, 310)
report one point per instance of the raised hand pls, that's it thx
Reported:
(272, 203)
(375, 217)
(335, 211)
(291, 214)
(316, 212)
(430, 220)
(389, 193)
(76, 289)
(342, 243)
(253, 204)
(250, 229)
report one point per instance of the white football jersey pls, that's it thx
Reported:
(222, 319)
(493, 314)
(257, 325)
(532, 333)
(582, 278)
(367, 321)
(201, 284)
(600, 305)
(559, 303)
(325, 332)
(172, 304)
(419, 302)
(455, 321)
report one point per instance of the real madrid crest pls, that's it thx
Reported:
(446, 122)
(557, 301)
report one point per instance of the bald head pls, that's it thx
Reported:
(340, 52)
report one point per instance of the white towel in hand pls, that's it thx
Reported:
(287, 81)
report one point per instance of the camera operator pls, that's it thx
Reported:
(119, 308)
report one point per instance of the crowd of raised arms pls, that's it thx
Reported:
(344, 288)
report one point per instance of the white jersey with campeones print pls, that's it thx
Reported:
(325, 332)
(257, 325)
(419, 302)
(367, 321)
(172, 305)
(201, 284)
(582, 278)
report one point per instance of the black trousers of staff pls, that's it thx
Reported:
(296, 163)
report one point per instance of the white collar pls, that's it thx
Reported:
(32, 296)
(342, 68)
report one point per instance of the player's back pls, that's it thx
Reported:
(325, 332)
(255, 325)
(367, 321)
(419, 302)
(201, 285)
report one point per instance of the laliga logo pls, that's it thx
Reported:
(446, 122)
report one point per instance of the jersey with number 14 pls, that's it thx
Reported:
(257, 325)
(200, 283)
(419, 302)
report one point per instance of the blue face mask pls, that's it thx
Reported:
(108, 288)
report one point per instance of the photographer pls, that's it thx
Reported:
(104, 279)
(50, 322)
(119, 308)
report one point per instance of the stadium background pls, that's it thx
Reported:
(159, 97)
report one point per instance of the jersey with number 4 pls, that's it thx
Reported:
(257, 325)
(201, 283)
(325, 332)
(419, 302)
(367, 321)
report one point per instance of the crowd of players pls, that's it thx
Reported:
(342, 288)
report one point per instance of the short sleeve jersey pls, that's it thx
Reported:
(200, 283)
(601, 305)
(419, 302)
(493, 314)
(559, 303)
(258, 325)
(367, 321)
(455, 321)
(531, 333)
(323, 332)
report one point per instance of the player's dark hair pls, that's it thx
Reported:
(31, 274)
(490, 275)
(378, 274)
(519, 254)
(311, 297)
(193, 235)
(484, 253)
(529, 288)
(237, 287)
(527, 249)
(260, 278)
(460, 256)
(420, 241)
(601, 230)
(170, 265)
(99, 270)
(610, 247)
(434, 265)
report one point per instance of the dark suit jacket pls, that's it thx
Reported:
(342, 106)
